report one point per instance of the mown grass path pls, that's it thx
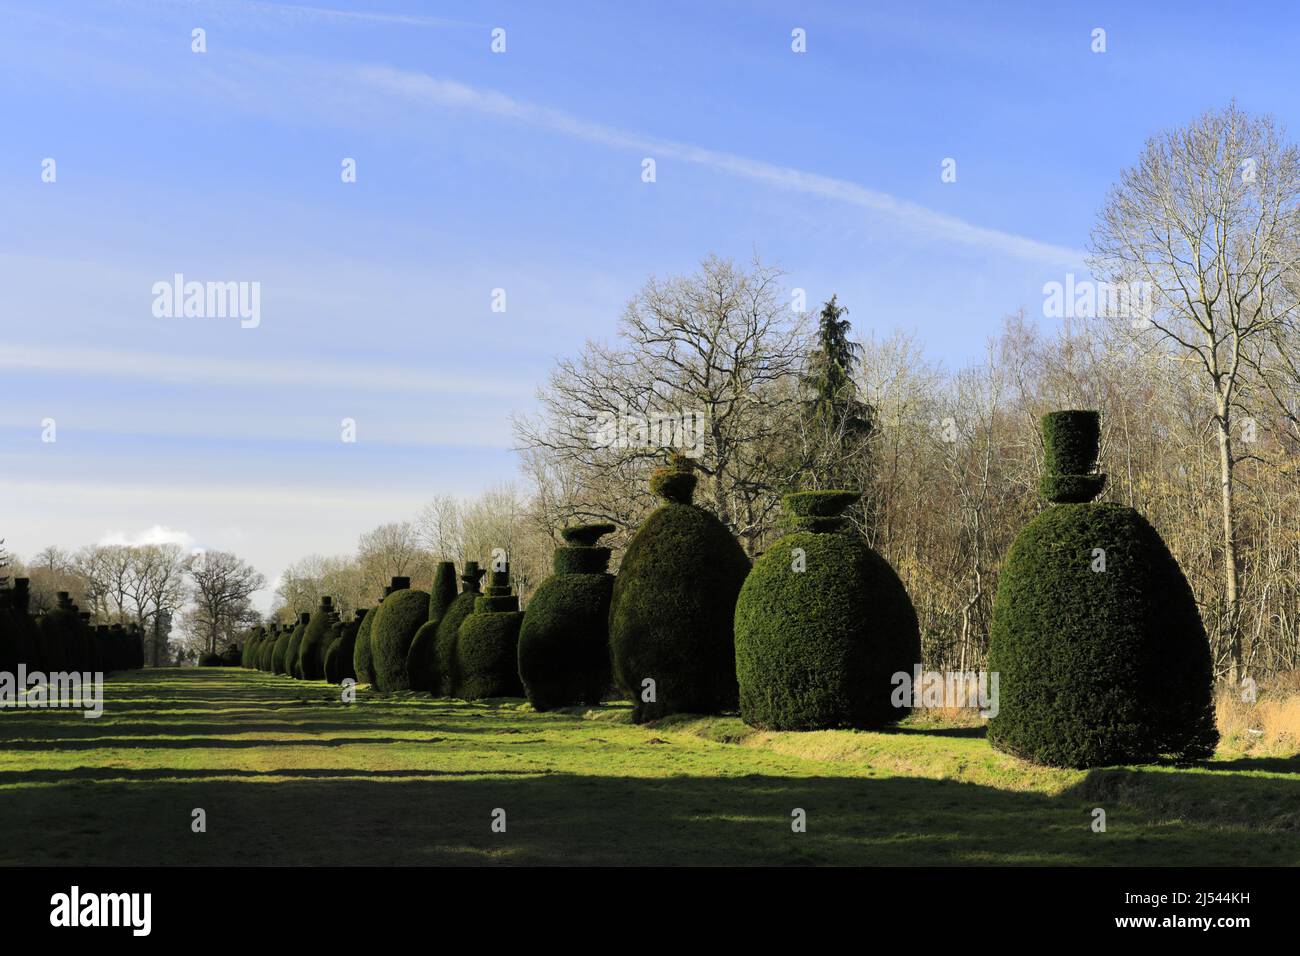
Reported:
(288, 774)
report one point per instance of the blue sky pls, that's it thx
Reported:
(519, 171)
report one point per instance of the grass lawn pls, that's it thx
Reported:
(288, 774)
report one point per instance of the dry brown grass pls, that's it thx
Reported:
(1270, 725)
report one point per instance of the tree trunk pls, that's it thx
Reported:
(1231, 628)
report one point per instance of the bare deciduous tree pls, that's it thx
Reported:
(1208, 221)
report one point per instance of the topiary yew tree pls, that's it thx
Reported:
(363, 664)
(448, 635)
(822, 625)
(396, 621)
(674, 599)
(339, 657)
(1101, 654)
(292, 665)
(487, 651)
(564, 639)
(311, 649)
(421, 659)
(22, 628)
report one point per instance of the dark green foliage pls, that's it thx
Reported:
(267, 647)
(210, 659)
(564, 639)
(581, 560)
(396, 621)
(835, 421)
(586, 535)
(443, 590)
(311, 650)
(1098, 667)
(421, 662)
(1070, 444)
(487, 651)
(671, 612)
(338, 659)
(449, 630)
(675, 481)
(280, 654)
(23, 632)
(421, 659)
(58, 630)
(249, 653)
(135, 641)
(818, 504)
(822, 625)
(291, 662)
(362, 660)
(1071, 489)
(1071, 439)
(8, 630)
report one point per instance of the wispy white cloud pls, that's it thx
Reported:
(450, 94)
(156, 534)
(110, 363)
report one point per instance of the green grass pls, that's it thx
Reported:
(288, 774)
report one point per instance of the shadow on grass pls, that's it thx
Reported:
(421, 817)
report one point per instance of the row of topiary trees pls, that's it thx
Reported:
(62, 640)
(1096, 665)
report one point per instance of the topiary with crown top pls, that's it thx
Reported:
(363, 664)
(422, 660)
(487, 650)
(564, 639)
(339, 657)
(292, 665)
(674, 599)
(311, 649)
(397, 619)
(822, 625)
(448, 635)
(1101, 654)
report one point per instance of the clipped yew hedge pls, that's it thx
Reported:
(822, 625)
(421, 659)
(1098, 664)
(362, 660)
(339, 657)
(311, 649)
(564, 638)
(396, 621)
(673, 605)
(487, 651)
(448, 635)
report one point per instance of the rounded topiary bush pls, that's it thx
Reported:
(487, 651)
(448, 635)
(311, 649)
(363, 664)
(22, 628)
(421, 659)
(822, 624)
(249, 647)
(57, 629)
(674, 599)
(292, 665)
(338, 659)
(8, 644)
(564, 638)
(1096, 638)
(135, 640)
(396, 621)
(280, 652)
(265, 652)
